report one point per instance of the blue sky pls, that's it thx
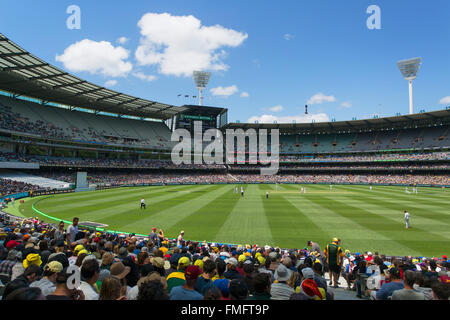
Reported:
(267, 58)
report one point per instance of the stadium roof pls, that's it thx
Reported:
(411, 120)
(24, 74)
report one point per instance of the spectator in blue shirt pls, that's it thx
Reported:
(386, 290)
(187, 291)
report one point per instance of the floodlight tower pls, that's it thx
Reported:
(201, 79)
(409, 69)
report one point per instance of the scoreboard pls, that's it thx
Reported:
(210, 117)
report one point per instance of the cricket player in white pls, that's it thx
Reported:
(331, 187)
(370, 188)
(267, 194)
(242, 191)
(142, 203)
(407, 219)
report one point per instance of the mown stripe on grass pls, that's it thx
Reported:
(246, 223)
(394, 214)
(205, 222)
(431, 214)
(97, 199)
(290, 222)
(366, 219)
(113, 209)
(363, 218)
(169, 213)
(357, 237)
(88, 194)
(425, 200)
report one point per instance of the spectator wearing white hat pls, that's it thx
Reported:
(231, 272)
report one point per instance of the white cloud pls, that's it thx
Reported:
(277, 108)
(122, 40)
(178, 45)
(144, 77)
(96, 58)
(319, 98)
(288, 36)
(346, 104)
(445, 100)
(245, 94)
(224, 91)
(110, 83)
(302, 118)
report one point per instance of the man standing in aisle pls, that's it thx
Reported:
(334, 255)
(72, 231)
(180, 240)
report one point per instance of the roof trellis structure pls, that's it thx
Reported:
(22, 73)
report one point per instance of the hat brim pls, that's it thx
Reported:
(166, 265)
(286, 278)
(124, 273)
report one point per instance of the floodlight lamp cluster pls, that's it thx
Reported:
(201, 79)
(409, 67)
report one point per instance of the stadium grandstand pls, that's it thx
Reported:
(54, 126)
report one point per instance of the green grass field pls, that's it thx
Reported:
(364, 220)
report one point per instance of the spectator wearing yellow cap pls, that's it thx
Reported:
(32, 258)
(199, 263)
(76, 250)
(240, 267)
(47, 283)
(178, 278)
(334, 254)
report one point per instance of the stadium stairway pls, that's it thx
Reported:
(35, 180)
(342, 293)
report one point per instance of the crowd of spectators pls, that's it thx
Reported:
(17, 122)
(439, 155)
(288, 163)
(349, 167)
(115, 178)
(14, 121)
(8, 186)
(37, 260)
